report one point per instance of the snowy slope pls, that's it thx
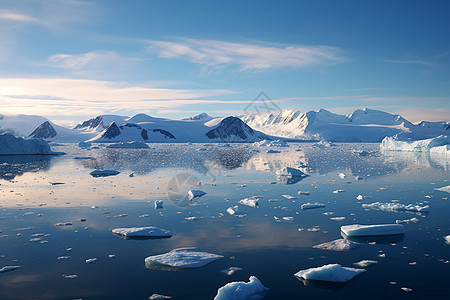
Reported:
(366, 125)
(20, 125)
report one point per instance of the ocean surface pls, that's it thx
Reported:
(54, 216)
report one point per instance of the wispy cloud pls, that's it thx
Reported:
(425, 114)
(213, 53)
(17, 17)
(414, 62)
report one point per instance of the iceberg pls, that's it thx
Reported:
(274, 143)
(182, 258)
(129, 145)
(331, 272)
(397, 207)
(341, 175)
(312, 205)
(136, 232)
(365, 263)
(104, 173)
(158, 204)
(11, 145)
(287, 171)
(447, 239)
(84, 144)
(338, 245)
(195, 193)
(252, 202)
(444, 189)
(8, 268)
(439, 144)
(240, 290)
(273, 151)
(371, 230)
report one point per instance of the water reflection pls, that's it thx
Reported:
(16, 165)
(324, 285)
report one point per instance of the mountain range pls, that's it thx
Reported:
(363, 125)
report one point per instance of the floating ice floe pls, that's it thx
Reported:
(331, 272)
(397, 207)
(444, 189)
(252, 202)
(290, 197)
(287, 171)
(64, 224)
(84, 144)
(231, 270)
(191, 218)
(288, 218)
(158, 204)
(240, 290)
(447, 239)
(182, 258)
(359, 197)
(129, 145)
(8, 268)
(306, 193)
(11, 145)
(158, 297)
(440, 144)
(338, 245)
(70, 276)
(312, 205)
(91, 260)
(338, 191)
(338, 218)
(274, 143)
(407, 221)
(365, 263)
(104, 173)
(323, 144)
(341, 175)
(150, 231)
(273, 151)
(372, 230)
(195, 194)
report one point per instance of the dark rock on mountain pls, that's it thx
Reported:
(44, 131)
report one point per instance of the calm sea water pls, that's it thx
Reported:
(37, 192)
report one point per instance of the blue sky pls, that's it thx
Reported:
(70, 60)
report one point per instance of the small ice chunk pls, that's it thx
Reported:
(240, 290)
(288, 218)
(341, 175)
(273, 151)
(195, 193)
(388, 206)
(365, 263)
(158, 297)
(289, 197)
(63, 257)
(71, 276)
(359, 197)
(150, 231)
(274, 143)
(407, 221)
(331, 272)
(447, 239)
(104, 173)
(191, 218)
(306, 193)
(287, 171)
(231, 270)
(8, 268)
(158, 204)
(232, 210)
(183, 258)
(371, 230)
(444, 189)
(64, 224)
(252, 202)
(91, 260)
(338, 218)
(312, 205)
(338, 191)
(407, 289)
(338, 245)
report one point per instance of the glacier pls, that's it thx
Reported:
(439, 144)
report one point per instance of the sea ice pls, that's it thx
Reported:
(371, 230)
(252, 202)
(447, 239)
(438, 144)
(341, 175)
(338, 218)
(407, 221)
(232, 210)
(444, 189)
(312, 205)
(158, 204)
(338, 191)
(323, 144)
(231, 270)
(306, 193)
(338, 245)
(289, 197)
(397, 207)
(365, 263)
(331, 272)
(150, 231)
(182, 258)
(274, 143)
(11, 145)
(195, 193)
(287, 171)
(273, 151)
(91, 260)
(359, 197)
(84, 144)
(158, 297)
(104, 173)
(8, 268)
(130, 145)
(240, 290)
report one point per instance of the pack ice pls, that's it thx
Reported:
(11, 145)
(338, 245)
(397, 207)
(240, 290)
(182, 258)
(331, 272)
(150, 231)
(440, 144)
(371, 230)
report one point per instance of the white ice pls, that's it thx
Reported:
(195, 193)
(359, 197)
(11, 145)
(158, 204)
(287, 171)
(388, 206)
(130, 145)
(150, 231)
(312, 205)
(183, 258)
(289, 197)
(341, 175)
(8, 268)
(331, 272)
(159, 297)
(274, 143)
(439, 144)
(447, 239)
(104, 173)
(231, 270)
(407, 221)
(240, 290)
(84, 144)
(338, 245)
(371, 230)
(444, 189)
(252, 202)
(365, 263)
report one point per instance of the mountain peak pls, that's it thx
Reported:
(44, 131)
(199, 117)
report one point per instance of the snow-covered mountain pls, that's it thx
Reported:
(366, 125)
